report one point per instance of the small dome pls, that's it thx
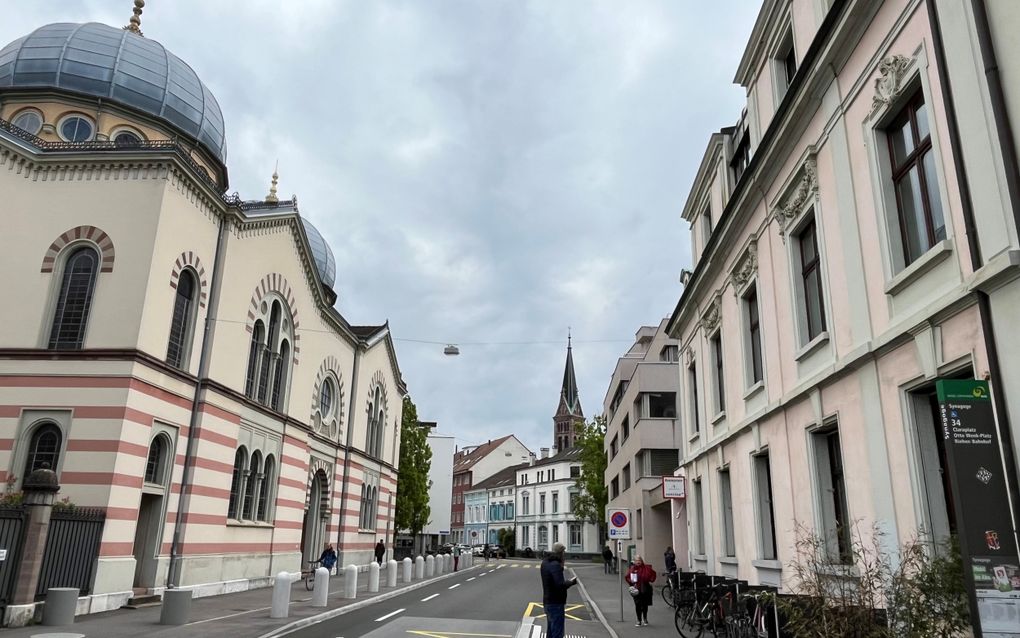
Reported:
(324, 260)
(120, 66)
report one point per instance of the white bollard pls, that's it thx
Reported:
(391, 573)
(470, 558)
(419, 568)
(407, 569)
(373, 577)
(281, 596)
(321, 592)
(449, 563)
(351, 581)
(440, 563)
(430, 566)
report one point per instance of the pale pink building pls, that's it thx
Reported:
(841, 268)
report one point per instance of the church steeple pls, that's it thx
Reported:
(569, 390)
(569, 417)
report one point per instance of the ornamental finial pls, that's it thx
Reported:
(134, 25)
(271, 197)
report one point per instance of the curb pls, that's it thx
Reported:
(340, 611)
(595, 607)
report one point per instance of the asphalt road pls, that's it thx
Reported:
(490, 601)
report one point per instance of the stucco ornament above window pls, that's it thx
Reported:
(689, 357)
(892, 70)
(804, 190)
(745, 267)
(710, 319)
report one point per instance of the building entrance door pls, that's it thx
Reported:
(313, 531)
(148, 534)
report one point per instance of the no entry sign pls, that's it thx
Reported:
(619, 523)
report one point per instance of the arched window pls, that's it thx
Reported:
(281, 376)
(71, 314)
(43, 448)
(257, 338)
(251, 482)
(269, 359)
(376, 422)
(179, 347)
(154, 465)
(240, 457)
(266, 485)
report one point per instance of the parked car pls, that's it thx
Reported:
(478, 550)
(497, 551)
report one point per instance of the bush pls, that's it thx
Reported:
(920, 594)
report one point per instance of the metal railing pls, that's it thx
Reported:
(12, 536)
(72, 550)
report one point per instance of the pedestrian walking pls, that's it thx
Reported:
(380, 551)
(485, 552)
(554, 591)
(640, 577)
(671, 571)
(456, 556)
(607, 558)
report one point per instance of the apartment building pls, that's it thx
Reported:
(643, 438)
(855, 240)
(545, 505)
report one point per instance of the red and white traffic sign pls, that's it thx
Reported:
(619, 523)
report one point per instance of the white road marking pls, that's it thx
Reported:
(471, 579)
(482, 574)
(454, 586)
(389, 615)
(536, 631)
(428, 598)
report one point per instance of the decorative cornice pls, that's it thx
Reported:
(805, 189)
(710, 319)
(889, 85)
(745, 267)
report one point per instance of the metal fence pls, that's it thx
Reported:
(72, 549)
(12, 536)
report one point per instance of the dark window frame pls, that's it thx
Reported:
(715, 341)
(51, 455)
(808, 235)
(914, 161)
(180, 339)
(753, 316)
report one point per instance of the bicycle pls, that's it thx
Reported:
(708, 611)
(669, 590)
(309, 574)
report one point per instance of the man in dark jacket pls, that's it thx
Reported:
(554, 591)
(380, 551)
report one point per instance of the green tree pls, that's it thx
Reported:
(412, 507)
(593, 496)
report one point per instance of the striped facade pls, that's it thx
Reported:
(155, 439)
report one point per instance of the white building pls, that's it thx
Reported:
(440, 491)
(545, 506)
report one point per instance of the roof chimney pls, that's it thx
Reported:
(531, 459)
(545, 452)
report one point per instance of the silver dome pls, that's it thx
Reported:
(102, 61)
(325, 263)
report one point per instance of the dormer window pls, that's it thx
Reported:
(741, 156)
(76, 128)
(126, 137)
(29, 120)
(786, 65)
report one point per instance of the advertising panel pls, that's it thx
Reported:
(981, 503)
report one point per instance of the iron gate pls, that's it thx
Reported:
(72, 549)
(12, 536)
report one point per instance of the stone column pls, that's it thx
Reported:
(40, 488)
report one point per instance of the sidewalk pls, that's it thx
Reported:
(240, 615)
(604, 590)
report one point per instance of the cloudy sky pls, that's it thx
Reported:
(488, 172)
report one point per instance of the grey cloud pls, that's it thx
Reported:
(485, 171)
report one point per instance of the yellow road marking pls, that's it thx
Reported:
(566, 611)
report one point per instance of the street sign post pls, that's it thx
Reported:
(674, 487)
